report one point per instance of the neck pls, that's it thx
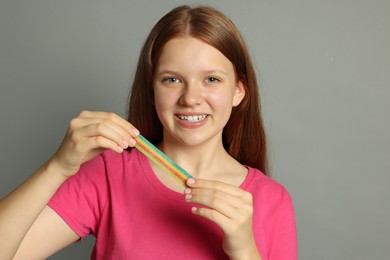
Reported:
(201, 161)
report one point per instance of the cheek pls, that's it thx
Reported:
(163, 100)
(222, 101)
(222, 107)
(161, 106)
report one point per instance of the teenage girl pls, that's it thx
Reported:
(195, 96)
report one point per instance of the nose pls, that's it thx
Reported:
(192, 95)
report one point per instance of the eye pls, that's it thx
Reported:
(212, 80)
(170, 80)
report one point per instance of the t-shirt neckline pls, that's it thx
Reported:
(161, 188)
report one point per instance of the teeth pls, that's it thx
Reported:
(193, 118)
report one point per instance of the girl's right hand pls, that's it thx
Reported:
(90, 134)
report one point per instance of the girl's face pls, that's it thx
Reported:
(195, 88)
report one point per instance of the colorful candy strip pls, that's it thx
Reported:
(154, 154)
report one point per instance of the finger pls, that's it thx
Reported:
(110, 127)
(102, 126)
(99, 142)
(215, 185)
(214, 201)
(87, 148)
(99, 130)
(221, 220)
(213, 198)
(112, 117)
(227, 211)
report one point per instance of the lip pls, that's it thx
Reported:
(187, 124)
(191, 114)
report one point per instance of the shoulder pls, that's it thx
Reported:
(105, 165)
(274, 219)
(265, 188)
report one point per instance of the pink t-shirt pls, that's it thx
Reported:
(118, 199)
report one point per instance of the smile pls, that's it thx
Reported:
(194, 118)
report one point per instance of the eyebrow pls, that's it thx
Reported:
(213, 71)
(166, 72)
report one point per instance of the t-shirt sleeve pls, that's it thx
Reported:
(284, 246)
(81, 198)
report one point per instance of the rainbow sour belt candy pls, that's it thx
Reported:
(154, 154)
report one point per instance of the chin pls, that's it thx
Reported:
(196, 139)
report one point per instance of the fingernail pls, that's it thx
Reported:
(188, 196)
(187, 191)
(125, 144)
(135, 131)
(190, 181)
(132, 142)
(194, 209)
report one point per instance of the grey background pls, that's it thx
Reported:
(324, 71)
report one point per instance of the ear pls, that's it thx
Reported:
(239, 93)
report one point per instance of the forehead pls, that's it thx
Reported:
(187, 52)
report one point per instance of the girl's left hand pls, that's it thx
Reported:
(231, 208)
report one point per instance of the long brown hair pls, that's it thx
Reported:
(244, 135)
